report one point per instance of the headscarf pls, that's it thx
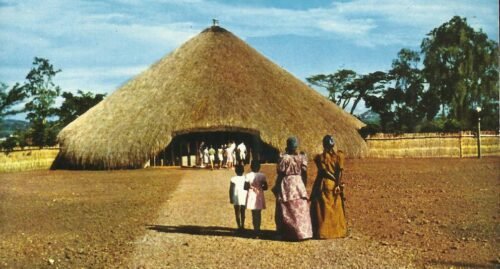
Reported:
(328, 142)
(292, 143)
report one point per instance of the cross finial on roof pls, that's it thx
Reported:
(215, 22)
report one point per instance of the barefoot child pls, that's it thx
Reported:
(237, 196)
(255, 199)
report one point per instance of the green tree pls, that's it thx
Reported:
(10, 98)
(9, 144)
(401, 103)
(381, 104)
(367, 86)
(43, 93)
(461, 67)
(22, 137)
(75, 105)
(407, 93)
(338, 85)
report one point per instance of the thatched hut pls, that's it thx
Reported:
(213, 86)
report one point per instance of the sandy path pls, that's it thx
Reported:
(195, 229)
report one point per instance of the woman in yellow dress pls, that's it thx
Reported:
(327, 210)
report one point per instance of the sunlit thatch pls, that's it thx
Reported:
(215, 81)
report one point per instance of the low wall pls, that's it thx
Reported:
(423, 145)
(25, 160)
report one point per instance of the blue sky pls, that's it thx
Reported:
(99, 45)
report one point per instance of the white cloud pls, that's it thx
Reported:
(11, 76)
(354, 27)
(169, 34)
(81, 37)
(77, 39)
(100, 79)
(424, 14)
(357, 20)
(104, 72)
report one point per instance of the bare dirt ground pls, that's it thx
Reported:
(402, 213)
(77, 218)
(446, 209)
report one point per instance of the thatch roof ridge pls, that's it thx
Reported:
(213, 81)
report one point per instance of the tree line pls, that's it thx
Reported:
(38, 94)
(436, 89)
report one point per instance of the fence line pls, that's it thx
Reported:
(28, 148)
(421, 145)
(27, 159)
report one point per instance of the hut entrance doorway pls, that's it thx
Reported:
(184, 149)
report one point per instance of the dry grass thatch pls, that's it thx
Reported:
(215, 81)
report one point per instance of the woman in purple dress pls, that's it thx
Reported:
(293, 220)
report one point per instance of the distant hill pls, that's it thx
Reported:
(369, 117)
(8, 126)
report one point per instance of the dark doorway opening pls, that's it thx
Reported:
(184, 149)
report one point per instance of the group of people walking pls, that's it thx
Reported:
(298, 216)
(225, 156)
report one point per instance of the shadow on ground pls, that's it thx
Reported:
(215, 231)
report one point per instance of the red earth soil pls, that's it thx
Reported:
(445, 209)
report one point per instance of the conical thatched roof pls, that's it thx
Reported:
(215, 81)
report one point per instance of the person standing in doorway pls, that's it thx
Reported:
(200, 152)
(242, 153)
(220, 156)
(233, 152)
(224, 156)
(211, 156)
(230, 152)
(205, 157)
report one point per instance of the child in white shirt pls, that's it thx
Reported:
(238, 196)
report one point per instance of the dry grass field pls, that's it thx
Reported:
(446, 211)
